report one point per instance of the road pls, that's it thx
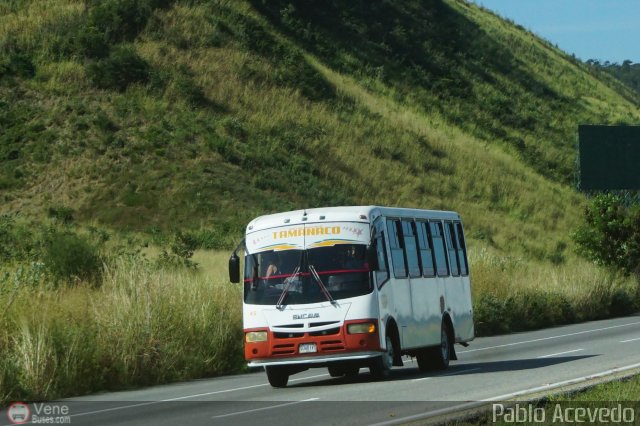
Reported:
(490, 369)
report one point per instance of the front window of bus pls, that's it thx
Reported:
(342, 270)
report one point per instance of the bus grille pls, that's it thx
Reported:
(332, 345)
(328, 332)
(286, 335)
(286, 349)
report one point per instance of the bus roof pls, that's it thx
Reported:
(343, 214)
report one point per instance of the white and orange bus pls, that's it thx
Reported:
(353, 287)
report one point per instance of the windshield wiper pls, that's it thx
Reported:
(288, 281)
(321, 284)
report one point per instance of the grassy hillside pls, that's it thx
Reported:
(157, 114)
(129, 122)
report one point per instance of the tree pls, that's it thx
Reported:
(611, 235)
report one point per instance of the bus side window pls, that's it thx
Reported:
(442, 266)
(452, 248)
(382, 274)
(462, 250)
(425, 245)
(397, 249)
(411, 249)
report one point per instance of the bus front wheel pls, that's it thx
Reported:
(342, 370)
(278, 376)
(381, 366)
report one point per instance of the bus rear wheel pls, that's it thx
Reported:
(278, 376)
(438, 357)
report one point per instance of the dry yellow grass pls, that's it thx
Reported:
(144, 325)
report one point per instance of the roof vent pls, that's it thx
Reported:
(322, 217)
(287, 220)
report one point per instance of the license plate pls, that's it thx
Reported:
(306, 348)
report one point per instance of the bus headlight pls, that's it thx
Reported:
(361, 328)
(255, 336)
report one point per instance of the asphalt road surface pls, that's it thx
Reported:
(491, 369)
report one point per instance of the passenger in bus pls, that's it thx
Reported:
(272, 268)
(351, 259)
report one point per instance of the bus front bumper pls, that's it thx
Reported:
(317, 361)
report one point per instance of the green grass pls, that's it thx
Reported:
(511, 294)
(148, 323)
(619, 390)
(143, 326)
(606, 399)
(244, 108)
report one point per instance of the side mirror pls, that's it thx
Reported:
(372, 256)
(234, 268)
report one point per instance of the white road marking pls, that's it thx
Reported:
(560, 353)
(455, 373)
(124, 407)
(106, 410)
(408, 418)
(309, 377)
(237, 413)
(213, 392)
(505, 397)
(630, 340)
(547, 338)
(551, 386)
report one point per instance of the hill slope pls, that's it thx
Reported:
(159, 114)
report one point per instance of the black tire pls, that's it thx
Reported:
(352, 372)
(438, 357)
(380, 367)
(278, 376)
(336, 370)
(342, 370)
(442, 353)
(424, 358)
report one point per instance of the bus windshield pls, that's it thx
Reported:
(306, 276)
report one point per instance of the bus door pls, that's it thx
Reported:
(457, 288)
(464, 315)
(400, 284)
(382, 275)
(436, 229)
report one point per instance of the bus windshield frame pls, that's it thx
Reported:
(315, 275)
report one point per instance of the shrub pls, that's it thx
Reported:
(622, 303)
(119, 20)
(122, 68)
(17, 64)
(69, 256)
(180, 251)
(490, 315)
(63, 214)
(611, 235)
(185, 87)
(17, 240)
(92, 43)
(216, 239)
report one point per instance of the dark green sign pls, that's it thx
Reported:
(609, 157)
